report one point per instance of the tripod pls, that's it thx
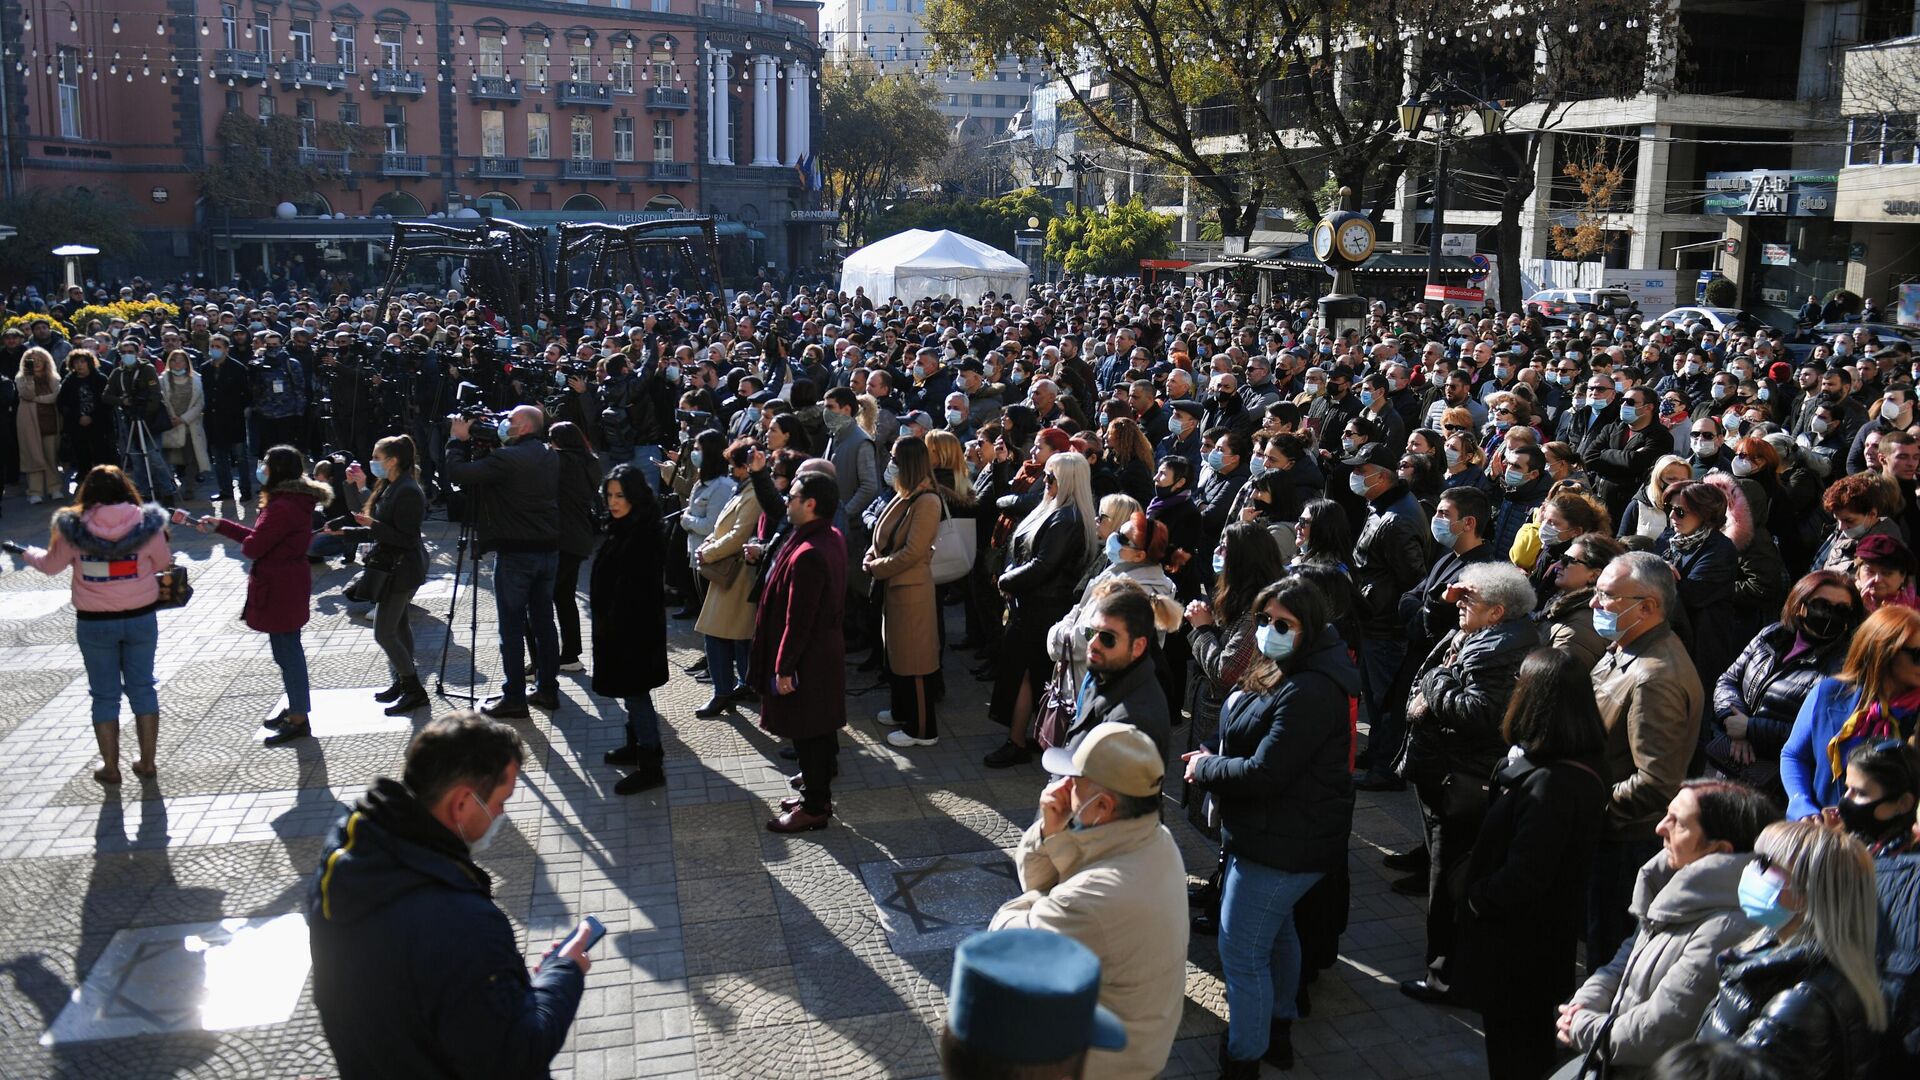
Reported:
(468, 548)
(138, 443)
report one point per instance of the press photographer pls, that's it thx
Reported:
(133, 390)
(513, 494)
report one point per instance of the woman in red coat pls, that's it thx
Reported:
(279, 585)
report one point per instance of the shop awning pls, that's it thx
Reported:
(1301, 257)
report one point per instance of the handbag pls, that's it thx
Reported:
(954, 547)
(175, 588)
(723, 571)
(376, 580)
(1464, 794)
(1053, 720)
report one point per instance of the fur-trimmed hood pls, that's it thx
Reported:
(302, 485)
(1739, 525)
(111, 530)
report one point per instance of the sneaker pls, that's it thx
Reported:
(33, 500)
(899, 737)
(885, 718)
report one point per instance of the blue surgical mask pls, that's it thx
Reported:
(699, 459)
(1366, 399)
(260, 472)
(955, 418)
(892, 475)
(1453, 457)
(672, 373)
(1357, 483)
(1515, 477)
(1016, 377)
(1115, 547)
(215, 354)
(1607, 623)
(1549, 534)
(505, 427)
(1760, 898)
(129, 359)
(1442, 530)
(1258, 466)
(1275, 643)
(1219, 562)
(1629, 414)
(1216, 461)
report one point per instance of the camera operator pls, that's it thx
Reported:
(430, 398)
(279, 394)
(301, 347)
(348, 414)
(133, 390)
(656, 394)
(618, 389)
(573, 398)
(516, 510)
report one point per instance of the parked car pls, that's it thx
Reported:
(1565, 304)
(1717, 318)
(1801, 342)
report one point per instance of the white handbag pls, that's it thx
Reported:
(954, 547)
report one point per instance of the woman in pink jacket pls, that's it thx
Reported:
(115, 547)
(279, 585)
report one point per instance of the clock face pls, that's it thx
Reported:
(1356, 240)
(1323, 240)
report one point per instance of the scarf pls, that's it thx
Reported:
(1686, 542)
(1161, 502)
(1877, 721)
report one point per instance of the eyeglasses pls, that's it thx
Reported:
(1052, 479)
(1107, 638)
(1264, 619)
(1503, 411)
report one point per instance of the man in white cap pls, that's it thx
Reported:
(1099, 867)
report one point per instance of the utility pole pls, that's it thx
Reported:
(1440, 186)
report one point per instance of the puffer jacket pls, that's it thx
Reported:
(114, 549)
(1656, 989)
(1389, 558)
(1465, 683)
(1770, 692)
(1281, 775)
(1789, 1002)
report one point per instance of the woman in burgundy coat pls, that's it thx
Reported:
(279, 584)
(798, 655)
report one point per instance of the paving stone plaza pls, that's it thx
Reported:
(156, 932)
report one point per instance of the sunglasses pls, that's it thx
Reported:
(1107, 638)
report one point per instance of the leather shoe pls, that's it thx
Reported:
(289, 732)
(501, 709)
(277, 722)
(797, 820)
(1424, 991)
(1412, 885)
(715, 705)
(1008, 755)
(1206, 925)
(392, 693)
(549, 700)
(623, 755)
(1407, 862)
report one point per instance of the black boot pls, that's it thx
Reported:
(1279, 1044)
(1208, 895)
(412, 696)
(628, 754)
(392, 693)
(648, 776)
(1236, 1070)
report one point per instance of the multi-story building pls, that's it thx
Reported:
(611, 110)
(888, 35)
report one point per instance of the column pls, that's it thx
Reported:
(799, 124)
(1649, 198)
(766, 112)
(720, 146)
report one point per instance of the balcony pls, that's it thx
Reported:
(782, 24)
(308, 73)
(494, 88)
(582, 169)
(239, 64)
(585, 93)
(396, 81)
(668, 97)
(498, 168)
(395, 163)
(669, 171)
(333, 161)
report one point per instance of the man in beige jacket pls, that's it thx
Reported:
(1100, 868)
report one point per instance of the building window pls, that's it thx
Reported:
(662, 67)
(69, 93)
(266, 107)
(583, 138)
(623, 138)
(953, 101)
(893, 52)
(396, 121)
(621, 68)
(999, 101)
(539, 135)
(664, 7)
(535, 61)
(1863, 140)
(663, 140)
(233, 101)
(1896, 145)
(300, 32)
(262, 33)
(622, 3)
(389, 38)
(580, 65)
(343, 47)
(308, 124)
(229, 27)
(493, 55)
(976, 100)
(493, 133)
(350, 113)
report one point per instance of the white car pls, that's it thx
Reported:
(1719, 319)
(1569, 304)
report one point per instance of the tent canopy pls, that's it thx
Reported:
(917, 263)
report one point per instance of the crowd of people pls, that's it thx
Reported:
(1630, 607)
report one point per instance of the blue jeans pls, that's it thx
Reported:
(150, 473)
(292, 658)
(329, 547)
(230, 460)
(523, 601)
(119, 658)
(643, 723)
(727, 663)
(1379, 662)
(647, 460)
(1259, 951)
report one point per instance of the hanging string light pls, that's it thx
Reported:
(116, 24)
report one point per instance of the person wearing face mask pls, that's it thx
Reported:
(1651, 701)
(1227, 472)
(1858, 505)
(1686, 901)
(1706, 564)
(185, 441)
(1329, 415)
(226, 392)
(1804, 990)
(1621, 455)
(1706, 441)
(1523, 487)
(1646, 511)
(1389, 558)
(1276, 776)
(1876, 695)
(140, 413)
(391, 520)
(399, 891)
(1183, 433)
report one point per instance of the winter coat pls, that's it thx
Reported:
(1708, 573)
(1798, 1010)
(279, 584)
(227, 393)
(1389, 558)
(1133, 696)
(515, 491)
(1896, 878)
(1770, 692)
(90, 443)
(728, 609)
(575, 497)
(799, 632)
(187, 432)
(1566, 622)
(1650, 700)
(704, 502)
(278, 386)
(1526, 883)
(29, 432)
(1516, 509)
(1461, 698)
(1659, 985)
(114, 550)
(902, 558)
(416, 972)
(397, 514)
(626, 601)
(1806, 765)
(1620, 459)
(1280, 776)
(1040, 564)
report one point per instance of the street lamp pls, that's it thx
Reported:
(1441, 103)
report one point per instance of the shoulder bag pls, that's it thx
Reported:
(175, 589)
(1054, 718)
(954, 546)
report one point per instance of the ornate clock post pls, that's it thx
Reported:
(1342, 241)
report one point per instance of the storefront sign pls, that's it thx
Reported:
(1771, 193)
(1456, 294)
(1901, 207)
(824, 216)
(1776, 255)
(1462, 244)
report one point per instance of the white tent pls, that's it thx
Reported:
(916, 264)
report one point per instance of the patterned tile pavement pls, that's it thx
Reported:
(730, 952)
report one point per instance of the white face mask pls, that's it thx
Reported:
(485, 839)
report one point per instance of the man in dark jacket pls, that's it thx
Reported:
(223, 382)
(516, 508)
(133, 389)
(416, 972)
(1620, 456)
(1388, 559)
(1121, 686)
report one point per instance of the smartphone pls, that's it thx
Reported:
(590, 933)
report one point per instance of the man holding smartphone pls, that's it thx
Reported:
(416, 972)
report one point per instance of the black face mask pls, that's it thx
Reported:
(1825, 620)
(1164, 490)
(1859, 819)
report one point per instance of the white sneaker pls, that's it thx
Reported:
(885, 718)
(901, 739)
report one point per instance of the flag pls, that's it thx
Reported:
(816, 182)
(800, 170)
